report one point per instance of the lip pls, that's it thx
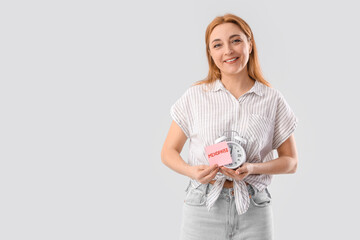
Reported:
(230, 59)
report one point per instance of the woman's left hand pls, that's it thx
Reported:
(238, 174)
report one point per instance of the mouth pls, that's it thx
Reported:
(232, 60)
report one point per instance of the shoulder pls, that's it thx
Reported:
(196, 90)
(270, 93)
(277, 101)
(190, 95)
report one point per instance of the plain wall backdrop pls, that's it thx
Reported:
(85, 95)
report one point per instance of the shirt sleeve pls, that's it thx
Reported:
(180, 113)
(285, 122)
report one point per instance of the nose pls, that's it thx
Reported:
(228, 50)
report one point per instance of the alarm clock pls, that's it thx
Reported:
(237, 152)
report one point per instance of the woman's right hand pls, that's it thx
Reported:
(204, 173)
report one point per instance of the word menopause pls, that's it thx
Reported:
(218, 152)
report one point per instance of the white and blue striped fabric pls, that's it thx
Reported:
(262, 116)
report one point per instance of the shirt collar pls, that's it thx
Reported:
(257, 88)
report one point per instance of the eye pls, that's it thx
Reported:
(216, 45)
(237, 40)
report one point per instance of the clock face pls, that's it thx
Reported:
(237, 153)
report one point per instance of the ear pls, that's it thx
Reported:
(250, 48)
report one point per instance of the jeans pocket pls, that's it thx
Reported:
(195, 197)
(261, 199)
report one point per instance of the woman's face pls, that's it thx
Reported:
(227, 41)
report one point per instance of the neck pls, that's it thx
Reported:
(237, 83)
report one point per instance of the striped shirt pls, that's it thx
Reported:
(261, 116)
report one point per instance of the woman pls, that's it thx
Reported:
(225, 203)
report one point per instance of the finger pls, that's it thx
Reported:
(212, 175)
(203, 166)
(242, 176)
(229, 172)
(213, 172)
(208, 170)
(225, 171)
(241, 170)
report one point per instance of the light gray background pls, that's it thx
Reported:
(85, 94)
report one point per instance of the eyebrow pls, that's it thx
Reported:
(234, 35)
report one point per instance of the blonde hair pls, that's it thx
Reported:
(253, 65)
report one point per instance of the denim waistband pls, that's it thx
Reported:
(205, 188)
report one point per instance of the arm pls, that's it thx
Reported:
(170, 156)
(173, 145)
(285, 122)
(285, 163)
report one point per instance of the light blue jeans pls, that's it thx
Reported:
(222, 222)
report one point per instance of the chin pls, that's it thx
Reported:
(232, 72)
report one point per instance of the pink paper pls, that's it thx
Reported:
(218, 154)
